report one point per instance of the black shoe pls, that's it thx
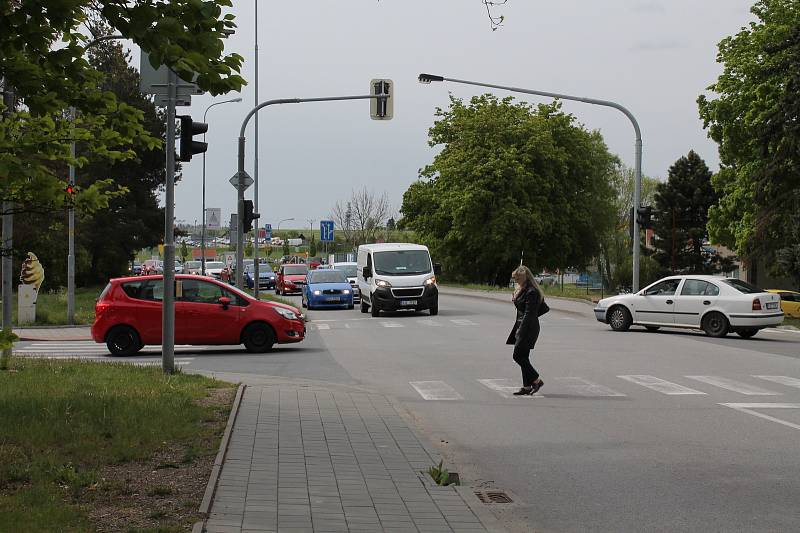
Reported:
(537, 385)
(524, 391)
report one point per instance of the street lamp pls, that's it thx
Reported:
(637, 190)
(203, 236)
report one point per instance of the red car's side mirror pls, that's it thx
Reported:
(224, 301)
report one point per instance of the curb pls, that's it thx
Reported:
(46, 339)
(491, 296)
(486, 516)
(211, 488)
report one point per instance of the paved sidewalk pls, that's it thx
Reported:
(317, 459)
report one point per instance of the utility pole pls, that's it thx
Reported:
(8, 238)
(256, 278)
(168, 303)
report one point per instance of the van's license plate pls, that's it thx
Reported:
(772, 305)
(408, 302)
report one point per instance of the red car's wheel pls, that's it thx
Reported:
(258, 338)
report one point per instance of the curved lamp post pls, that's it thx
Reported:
(637, 190)
(203, 234)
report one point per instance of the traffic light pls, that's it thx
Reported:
(189, 129)
(69, 194)
(249, 217)
(644, 216)
(381, 108)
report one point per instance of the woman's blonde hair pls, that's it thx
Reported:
(522, 270)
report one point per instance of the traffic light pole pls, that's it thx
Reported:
(637, 190)
(241, 173)
(168, 303)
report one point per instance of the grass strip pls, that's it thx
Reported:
(87, 446)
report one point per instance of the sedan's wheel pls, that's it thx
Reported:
(364, 307)
(123, 340)
(375, 310)
(715, 325)
(652, 328)
(258, 338)
(619, 318)
(746, 333)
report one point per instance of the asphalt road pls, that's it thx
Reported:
(636, 431)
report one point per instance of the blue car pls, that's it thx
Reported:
(265, 275)
(327, 288)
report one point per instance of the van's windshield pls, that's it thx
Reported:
(402, 262)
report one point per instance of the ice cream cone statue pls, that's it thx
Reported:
(32, 271)
(31, 279)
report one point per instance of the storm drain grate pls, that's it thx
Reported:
(493, 496)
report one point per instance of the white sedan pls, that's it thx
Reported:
(714, 304)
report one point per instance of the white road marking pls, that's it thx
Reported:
(748, 408)
(587, 388)
(735, 386)
(322, 326)
(783, 380)
(660, 385)
(565, 318)
(506, 388)
(435, 390)
(462, 322)
(392, 324)
(429, 322)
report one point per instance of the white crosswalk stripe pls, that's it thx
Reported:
(750, 408)
(733, 385)
(435, 390)
(783, 380)
(322, 326)
(660, 385)
(584, 387)
(506, 388)
(462, 322)
(391, 324)
(429, 322)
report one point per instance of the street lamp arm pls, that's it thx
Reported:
(583, 99)
(218, 103)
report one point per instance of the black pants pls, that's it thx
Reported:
(522, 356)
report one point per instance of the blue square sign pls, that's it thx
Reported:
(326, 230)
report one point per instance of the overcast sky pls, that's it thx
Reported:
(652, 56)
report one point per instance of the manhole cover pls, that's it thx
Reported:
(493, 496)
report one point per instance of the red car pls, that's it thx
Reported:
(290, 278)
(128, 315)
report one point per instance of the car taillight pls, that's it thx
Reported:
(100, 308)
(756, 304)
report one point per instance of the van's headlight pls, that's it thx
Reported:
(288, 314)
(317, 293)
(430, 281)
(382, 283)
(346, 291)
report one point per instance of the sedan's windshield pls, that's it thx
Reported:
(349, 270)
(328, 276)
(742, 286)
(402, 262)
(293, 270)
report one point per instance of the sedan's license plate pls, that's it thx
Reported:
(772, 305)
(408, 302)
(333, 299)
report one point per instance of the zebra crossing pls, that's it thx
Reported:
(577, 386)
(92, 351)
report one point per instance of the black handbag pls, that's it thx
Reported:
(543, 308)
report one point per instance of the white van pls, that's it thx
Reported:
(395, 276)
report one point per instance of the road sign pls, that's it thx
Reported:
(326, 230)
(248, 181)
(213, 217)
(154, 81)
(267, 231)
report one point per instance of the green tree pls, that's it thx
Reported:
(286, 249)
(312, 248)
(184, 251)
(754, 116)
(680, 218)
(44, 63)
(510, 178)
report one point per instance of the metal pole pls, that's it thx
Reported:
(71, 233)
(240, 164)
(638, 165)
(8, 241)
(168, 306)
(256, 278)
